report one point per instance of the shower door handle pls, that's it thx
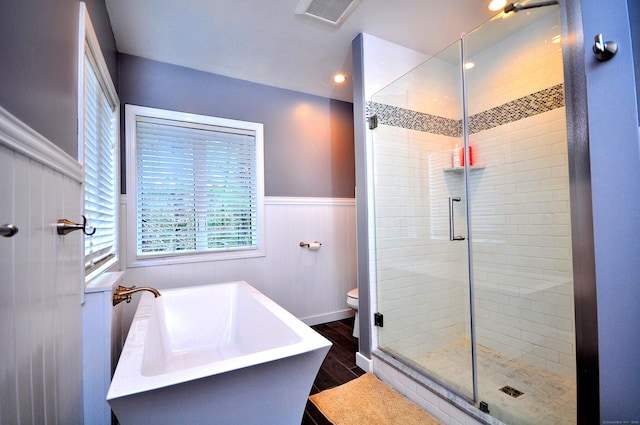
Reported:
(452, 224)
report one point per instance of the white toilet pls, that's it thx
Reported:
(352, 301)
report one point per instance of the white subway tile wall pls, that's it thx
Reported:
(435, 89)
(521, 245)
(421, 275)
(526, 62)
(520, 204)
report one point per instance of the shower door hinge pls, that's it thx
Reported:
(484, 407)
(373, 122)
(378, 319)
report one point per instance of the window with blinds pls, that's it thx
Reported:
(198, 184)
(98, 131)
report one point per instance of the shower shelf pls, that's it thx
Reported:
(460, 170)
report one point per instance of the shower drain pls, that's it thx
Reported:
(511, 391)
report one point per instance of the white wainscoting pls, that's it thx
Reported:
(312, 285)
(40, 281)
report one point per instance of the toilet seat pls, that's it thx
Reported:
(352, 302)
(353, 293)
(352, 299)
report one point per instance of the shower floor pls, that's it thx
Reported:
(547, 398)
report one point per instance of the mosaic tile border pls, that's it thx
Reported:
(524, 107)
(413, 120)
(516, 110)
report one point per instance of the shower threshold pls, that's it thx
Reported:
(544, 397)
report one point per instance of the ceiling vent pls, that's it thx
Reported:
(330, 11)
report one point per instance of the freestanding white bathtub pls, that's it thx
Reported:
(215, 354)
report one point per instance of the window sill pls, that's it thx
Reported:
(194, 258)
(109, 267)
(104, 282)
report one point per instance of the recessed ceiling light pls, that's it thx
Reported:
(496, 5)
(339, 78)
(469, 65)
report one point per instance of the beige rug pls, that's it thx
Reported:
(369, 401)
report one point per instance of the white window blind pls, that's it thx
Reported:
(100, 166)
(198, 187)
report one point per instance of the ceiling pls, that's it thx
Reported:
(264, 41)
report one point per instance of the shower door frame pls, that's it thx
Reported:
(467, 179)
(582, 237)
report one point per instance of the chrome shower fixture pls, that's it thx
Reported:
(511, 7)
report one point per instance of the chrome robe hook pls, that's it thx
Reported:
(604, 50)
(8, 230)
(65, 226)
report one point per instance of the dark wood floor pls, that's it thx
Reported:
(338, 367)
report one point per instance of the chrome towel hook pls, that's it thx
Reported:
(65, 226)
(604, 50)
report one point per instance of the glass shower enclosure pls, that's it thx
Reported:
(472, 221)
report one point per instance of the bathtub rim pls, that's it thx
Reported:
(128, 378)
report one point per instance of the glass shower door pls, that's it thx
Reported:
(520, 226)
(420, 222)
(474, 264)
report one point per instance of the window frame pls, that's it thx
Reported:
(88, 44)
(132, 112)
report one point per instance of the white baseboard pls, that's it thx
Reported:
(364, 363)
(288, 200)
(328, 317)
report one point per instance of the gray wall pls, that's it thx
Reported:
(308, 139)
(634, 16)
(615, 175)
(365, 342)
(38, 65)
